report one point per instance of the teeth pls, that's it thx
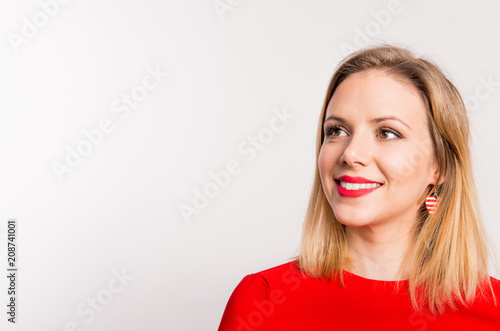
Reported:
(357, 186)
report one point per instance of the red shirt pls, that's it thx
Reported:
(280, 298)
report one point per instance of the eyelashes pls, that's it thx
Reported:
(330, 129)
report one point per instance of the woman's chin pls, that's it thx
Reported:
(355, 219)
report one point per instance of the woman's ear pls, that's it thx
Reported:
(436, 175)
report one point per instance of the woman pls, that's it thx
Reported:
(393, 237)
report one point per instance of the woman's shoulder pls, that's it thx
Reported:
(278, 271)
(271, 278)
(490, 295)
(256, 296)
(495, 281)
(487, 293)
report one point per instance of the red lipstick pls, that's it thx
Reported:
(344, 192)
(350, 179)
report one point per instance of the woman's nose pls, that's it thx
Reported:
(356, 151)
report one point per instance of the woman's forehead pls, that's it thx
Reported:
(373, 94)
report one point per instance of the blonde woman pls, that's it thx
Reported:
(393, 237)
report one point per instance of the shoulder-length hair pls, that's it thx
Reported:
(448, 261)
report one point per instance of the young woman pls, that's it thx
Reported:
(393, 237)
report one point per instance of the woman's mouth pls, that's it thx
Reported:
(354, 190)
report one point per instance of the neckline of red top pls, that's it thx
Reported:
(360, 278)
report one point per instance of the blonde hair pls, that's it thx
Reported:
(449, 259)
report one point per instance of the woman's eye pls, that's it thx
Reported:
(384, 134)
(333, 131)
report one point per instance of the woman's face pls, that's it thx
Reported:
(376, 129)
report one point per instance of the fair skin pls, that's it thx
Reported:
(396, 155)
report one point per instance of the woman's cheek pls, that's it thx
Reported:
(413, 161)
(324, 168)
(397, 165)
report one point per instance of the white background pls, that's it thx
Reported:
(118, 210)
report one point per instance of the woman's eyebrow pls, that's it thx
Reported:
(385, 118)
(375, 120)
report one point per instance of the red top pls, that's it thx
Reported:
(280, 298)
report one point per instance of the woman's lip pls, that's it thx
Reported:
(356, 180)
(353, 193)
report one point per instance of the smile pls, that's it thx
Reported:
(355, 190)
(357, 186)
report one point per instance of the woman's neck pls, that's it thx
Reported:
(377, 253)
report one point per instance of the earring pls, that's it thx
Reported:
(431, 202)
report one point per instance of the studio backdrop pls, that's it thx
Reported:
(156, 152)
